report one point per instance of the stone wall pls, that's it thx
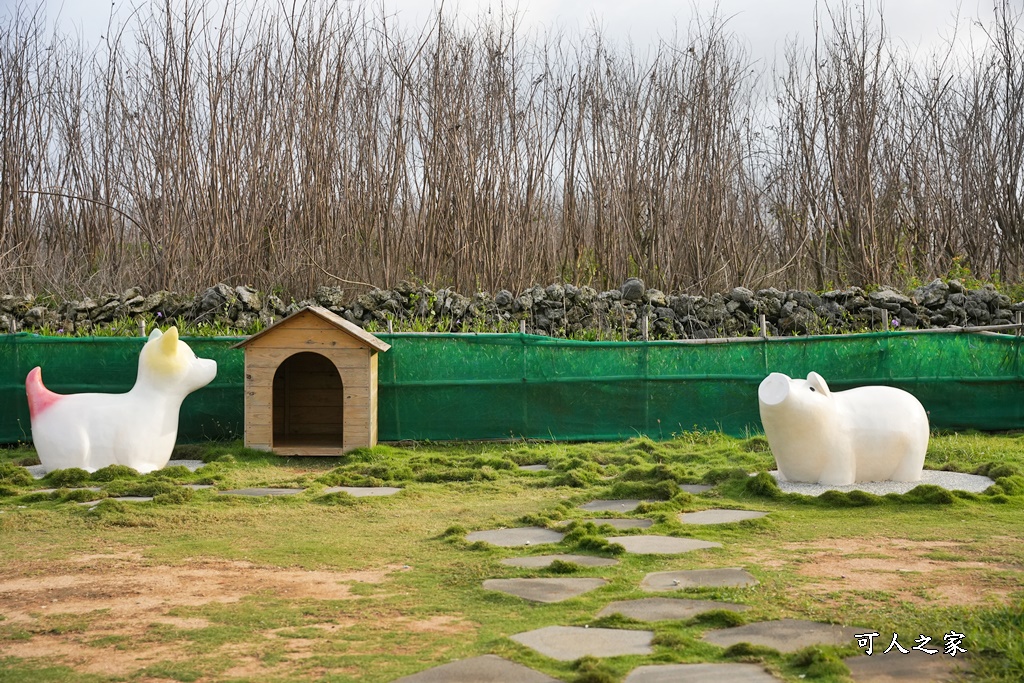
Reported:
(557, 310)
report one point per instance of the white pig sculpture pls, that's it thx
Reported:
(839, 438)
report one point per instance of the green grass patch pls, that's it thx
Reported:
(402, 588)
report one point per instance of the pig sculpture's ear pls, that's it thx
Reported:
(817, 383)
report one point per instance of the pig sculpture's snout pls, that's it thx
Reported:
(774, 389)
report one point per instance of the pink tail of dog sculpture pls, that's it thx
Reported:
(39, 397)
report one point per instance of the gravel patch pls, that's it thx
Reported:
(953, 481)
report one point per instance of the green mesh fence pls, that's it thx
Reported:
(464, 386)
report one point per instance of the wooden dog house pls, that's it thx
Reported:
(311, 385)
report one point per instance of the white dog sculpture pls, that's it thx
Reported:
(137, 429)
(872, 433)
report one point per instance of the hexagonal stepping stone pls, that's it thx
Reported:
(485, 669)
(666, 609)
(261, 491)
(623, 523)
(719, 516)
(661, 545)
(695, 488)
(566, 643)
(363, 491)
(621, 505)
(913, 667)
(785, 635)
(700, 673)
(535, 468)
(70, 488)
(197, 487)
(538, 561)
(731, 577)
(544, 590)
(519, 536)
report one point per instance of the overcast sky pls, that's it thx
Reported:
(763, 25)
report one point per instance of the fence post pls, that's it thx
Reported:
(644, 326)
(762, 323)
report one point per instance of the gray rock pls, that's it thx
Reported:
(212, 301)
(785, 635)
(665, 609)
(655, 297)
(520, 536)
(331, 298)
(544, 590)
(632, 289)
(700, 673)
(503, 298)
(795, 319)
(661, 545)
(742, 295)
(888, 299)
(567, 643)
(933, 295)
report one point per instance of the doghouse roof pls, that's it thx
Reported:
(332, 319)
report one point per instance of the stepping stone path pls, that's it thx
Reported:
(566, 643)
(700, 673)
(732, 577)
(535, 468)
(785, 635)
(695, 488)
(544, 590)
(540, 561)
(719, 516)
(627, 505)
(261, 491)
(665, 609)
(364, 491)
(485, 669)
(661, 545)
(913, 667)
(623, 523)
(520, 536)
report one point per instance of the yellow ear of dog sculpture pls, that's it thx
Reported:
(137, 428)
(840, 438)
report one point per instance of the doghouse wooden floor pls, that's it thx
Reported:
(307, 445)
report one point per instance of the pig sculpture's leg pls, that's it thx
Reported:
(840, 468)
(912, 462)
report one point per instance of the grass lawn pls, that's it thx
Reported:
(196, 586)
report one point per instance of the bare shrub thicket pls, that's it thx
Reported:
(329, 144)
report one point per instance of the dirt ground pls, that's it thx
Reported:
(132, 594)
(880, 570)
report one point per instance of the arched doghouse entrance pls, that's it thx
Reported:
(309, 402)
